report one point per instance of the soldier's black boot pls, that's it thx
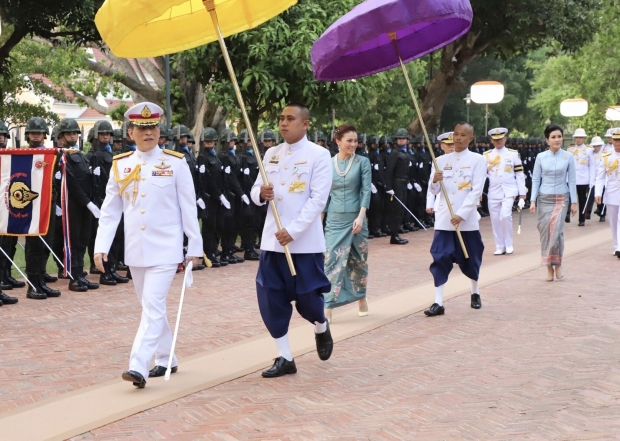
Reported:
(76, 286)
(250, 254)
(117, 277)
(94, 270)
(129, 274)
(46, 289)
(7, 300)
(12, 281)
(49, 279)
(35, 293)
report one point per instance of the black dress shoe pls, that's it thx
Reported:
(230, 259)
(16, 283)
(617, 253)
(237, 258)
(581, 224)
(199, 267)
(371, 236)
(49, 292)
(588, 217)
(403, 230)
(94, 270)
(50, 279)
(7, 300)
(476, 303)
(121, 266)
(160, 371)
(135, 377)
(106, 279)
(76, 286)
(35, 294)
(118, 278)
(434, 310)
(324, 344)
(237, 249)
(382, 234)
(397, 240)
(90, 285)
(602, 219)
(251, 255)
(5, 286)
(567, 219)
(281, 366)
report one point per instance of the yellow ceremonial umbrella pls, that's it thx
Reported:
(150, 28)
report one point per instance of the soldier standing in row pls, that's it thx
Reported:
(248, 175)
(396, 180)
(377, 188)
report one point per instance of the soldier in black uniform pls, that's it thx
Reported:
(164, 137)
(117, 142)
(424, 163)
(247, 216)
(213, 185)
(377, 191)
(361, 145)
(36, 251)
(100, 162)
(181, 137)
(81, 205)
(233, 193)
(8, 244)
(396, 180)
(268, 140)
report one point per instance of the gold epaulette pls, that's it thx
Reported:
(122, 155)
(607, 153)
(173, 153)
(512, 150)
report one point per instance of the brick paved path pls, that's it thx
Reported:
(539, 361)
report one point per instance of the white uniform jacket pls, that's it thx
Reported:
(159, 203)
(585, 165)
(608, 177)
(301, 175)
(505, 173)
(464, 174)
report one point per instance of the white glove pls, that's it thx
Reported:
(246, 171)
(58, 211)
(97, 171)
(409, 187)
(225, 202)
(245, 199)
(410, 163)
(227, 170)
(376, 166)
(58, 175)
(421, 165)
(521, 204)
(373, 189)
(417, 186)
(390, 192)
(202, 168)
(201, 203)
(94, 210)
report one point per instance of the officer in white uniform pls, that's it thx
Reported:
(598, 148)
(506, 182)
(300, 179)
(154, 190)
(464, 174)
(585, 171)
(608, 177)
(447, 146)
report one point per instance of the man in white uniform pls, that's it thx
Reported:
(154, 190)
(464, 174)
(585, 171)
(608, 177)
(598, 148)
(300, 180)
(506, 182)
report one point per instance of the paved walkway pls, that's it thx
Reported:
(529, 365)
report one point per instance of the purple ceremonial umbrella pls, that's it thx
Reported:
(360, 44)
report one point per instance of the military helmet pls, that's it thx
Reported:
(179, 131)
(163, 131)
(373, 139)
(37, 125)
(383, 140)
(90, 137)
(361, 138)
(55, 131)
(68, 125)
(228, 135)
(190, 138)
(401, 133)
(208, 134)
(117, 136)
(4, 130)
(244, 136)
(268, 135)
(103, 126)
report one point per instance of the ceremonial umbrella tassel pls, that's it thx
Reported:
(143, 29)
(379, 35)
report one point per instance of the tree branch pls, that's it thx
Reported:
(133, 84)
(18, 34)
(140, 73)
(154, 71)
(89, 100)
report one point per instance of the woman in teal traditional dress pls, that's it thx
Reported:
(346, 231)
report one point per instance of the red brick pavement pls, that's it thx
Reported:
(51, 347)
(539, 361)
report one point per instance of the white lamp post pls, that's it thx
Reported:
(487, 92)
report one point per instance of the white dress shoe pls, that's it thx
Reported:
(499, 252)
(510, 250)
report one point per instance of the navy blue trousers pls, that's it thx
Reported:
(446, 251)
(276, 288)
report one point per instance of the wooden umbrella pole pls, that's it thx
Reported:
(210, 6)
(428, 141)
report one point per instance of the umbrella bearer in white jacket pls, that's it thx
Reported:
(506, 182)
(154, 189)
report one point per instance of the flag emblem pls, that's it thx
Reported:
(20, 195)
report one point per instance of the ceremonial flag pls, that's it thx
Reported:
(26, 177)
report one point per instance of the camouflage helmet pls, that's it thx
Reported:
(209, 134)
(401, 134)
(190, 138)
(117, 136)
(37, 125)
(68, 125)
(4, 130)
(163, 131)
(268, 135)
(383, 140)
(228, 135)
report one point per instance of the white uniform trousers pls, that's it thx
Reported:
(612, 216)
(154, 335)
(501, 221)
